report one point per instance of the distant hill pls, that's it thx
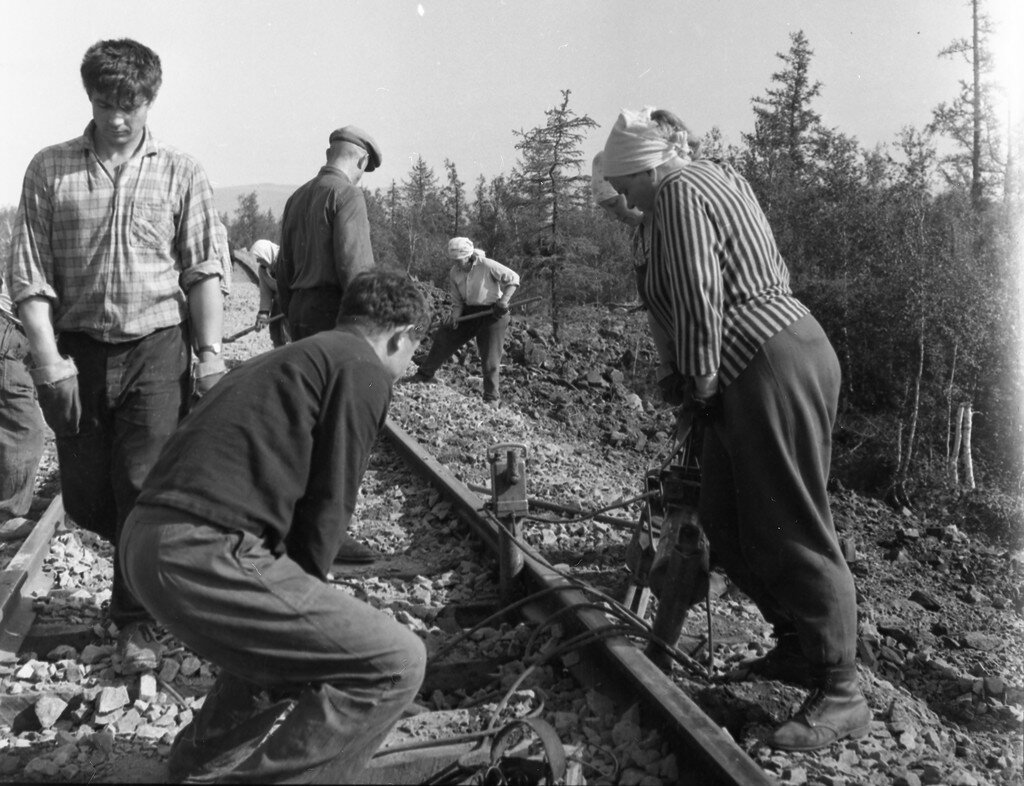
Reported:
(270, 196)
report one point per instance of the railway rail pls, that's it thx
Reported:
(707, 754)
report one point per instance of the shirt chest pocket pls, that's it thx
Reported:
(152, 225)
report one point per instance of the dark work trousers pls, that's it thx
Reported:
(21, 425)
(312, 311)
(133, 395)
(311, 679)
(763, 499)
(489, 332)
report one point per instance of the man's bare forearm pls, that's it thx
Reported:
(36, 314)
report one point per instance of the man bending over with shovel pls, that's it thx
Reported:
(481, 289)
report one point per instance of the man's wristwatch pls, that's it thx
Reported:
(213, 349)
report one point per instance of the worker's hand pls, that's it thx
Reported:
(705, 409)
(703, 398)
(57, 392)
(706, 386)
(673, 388)
(206, 374)
(452, 322)
(500, 308)
(262, 319)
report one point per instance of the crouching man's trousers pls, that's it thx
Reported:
(311, 679)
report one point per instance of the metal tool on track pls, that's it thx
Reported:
(676, 567)
(508, 495)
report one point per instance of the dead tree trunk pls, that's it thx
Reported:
(968, 458)
(951, 450)
(976, 109)
(954, 462)
(916, 406)
(897, 494)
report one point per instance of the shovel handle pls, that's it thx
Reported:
(247, 331)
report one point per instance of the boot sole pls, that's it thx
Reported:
(853, 734)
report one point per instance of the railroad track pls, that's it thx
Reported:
(707, 746)
(611, 659)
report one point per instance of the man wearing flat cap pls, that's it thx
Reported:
(325, 234)
(325, 243)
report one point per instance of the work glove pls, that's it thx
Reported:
(673, 388)
(206, 374)
(262, 319)
(499, 308)
(57, 392)
(452, 322)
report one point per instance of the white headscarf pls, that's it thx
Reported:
(460, 248)
(636, 143)
(265, 252)
(600, 188)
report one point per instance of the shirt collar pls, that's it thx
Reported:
(147, 147)
(327, 169)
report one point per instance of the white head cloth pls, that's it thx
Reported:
(459, 248)
(599, 187)
(637, 143)
(265, 252)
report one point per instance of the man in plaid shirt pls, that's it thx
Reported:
(118, 266)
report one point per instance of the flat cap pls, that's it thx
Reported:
(357, 136)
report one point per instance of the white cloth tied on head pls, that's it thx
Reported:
(459, 247)
(637, 143)
(599, 187)
(265, 252)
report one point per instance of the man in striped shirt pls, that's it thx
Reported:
(118, 265)
(765, 376)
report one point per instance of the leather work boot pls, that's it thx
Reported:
(785, 662)
(831, 712)
(352, 552)
(139, 648)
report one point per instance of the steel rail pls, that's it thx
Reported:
(720, 759)
(23, 579)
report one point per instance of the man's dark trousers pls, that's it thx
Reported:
(311, 311)
(133, 395)
(338, 672)
(764, 503)
(489, 332)
(21, 424)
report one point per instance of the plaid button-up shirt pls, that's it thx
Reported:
(115, 252)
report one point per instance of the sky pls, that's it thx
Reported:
(252, 88)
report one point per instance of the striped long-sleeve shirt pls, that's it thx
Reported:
(716, 282)
(115, 252)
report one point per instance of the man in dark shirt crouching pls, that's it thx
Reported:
(234, 532)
